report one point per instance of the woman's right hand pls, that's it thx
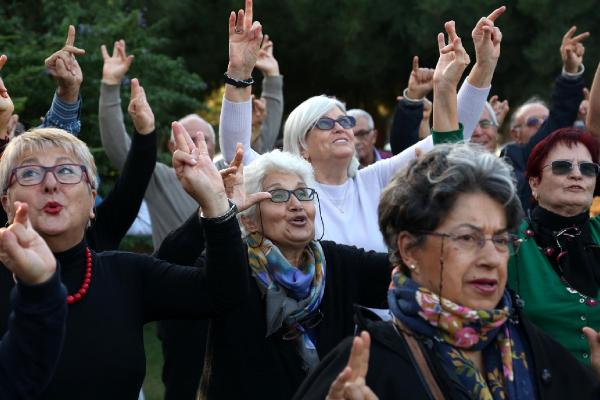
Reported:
(6, 104)
(24, 252)
(115, 67)
(139, 109)
(245, 37)
(350, 384)
(197, 173)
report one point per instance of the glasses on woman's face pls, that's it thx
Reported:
(471, 240)
(30, 175)
(326, 123)
(532, 122)
(299, 327)
(283, 195)
(485, 123)
(564, 167)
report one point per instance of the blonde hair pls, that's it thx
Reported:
(40, 140)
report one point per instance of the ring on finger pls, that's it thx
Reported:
(239, 31)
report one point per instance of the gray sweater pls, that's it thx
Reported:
(169, 205)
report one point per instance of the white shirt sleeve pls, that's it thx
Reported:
(236, 127)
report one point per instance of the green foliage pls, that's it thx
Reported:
(33, 30)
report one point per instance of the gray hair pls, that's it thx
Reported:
(491, 112)
(420, 197)
(358, 113)
(275, 161)
(303, 118)
(209, 132)
(41, 140)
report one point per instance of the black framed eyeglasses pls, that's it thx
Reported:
(472, 240)
(30, 175)
(565, 167)
(326, 123)
(283, 195)
(293, 331)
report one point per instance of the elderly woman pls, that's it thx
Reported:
(301, 294)
(320, 131)
(455, 332)
(557, 273)
(113, 294)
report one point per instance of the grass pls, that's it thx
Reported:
(153, 386)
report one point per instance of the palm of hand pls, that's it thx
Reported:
(265, 61)
(199, 178)
(114, 68)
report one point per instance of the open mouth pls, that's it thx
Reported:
(484, 286)
(298, 221)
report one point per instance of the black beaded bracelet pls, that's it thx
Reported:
(225, 217)
(238, 82)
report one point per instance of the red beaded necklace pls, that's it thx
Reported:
(80, 294)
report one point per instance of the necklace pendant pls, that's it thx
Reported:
(591, 302)
(571, 290)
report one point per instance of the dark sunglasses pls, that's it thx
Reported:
(295, 330)
(283, 195)
(326, 123)
(564, 167)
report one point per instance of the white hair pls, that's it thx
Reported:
(358, 113)
(209, 132)
(279, 162)
(303, 118)
(492, 113)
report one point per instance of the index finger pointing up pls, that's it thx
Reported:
(496, 13)
(181, 137)
(70, 36)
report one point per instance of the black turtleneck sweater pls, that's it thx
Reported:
(579, 264)
(103, 355)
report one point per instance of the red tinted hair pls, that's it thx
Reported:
(567, 136)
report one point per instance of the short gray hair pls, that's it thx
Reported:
(358, 113)
(420, 197)
(303, 118)
(40, 140)
(275, 161)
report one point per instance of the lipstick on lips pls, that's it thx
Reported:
(52, 207)
(484, 285)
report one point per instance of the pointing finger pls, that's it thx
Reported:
(496, 13)
(70, 36)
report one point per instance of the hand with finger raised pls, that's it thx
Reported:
(63, 66)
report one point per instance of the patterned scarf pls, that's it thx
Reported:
(292, 293)
(456, 328)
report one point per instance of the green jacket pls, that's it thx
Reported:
(548, 304)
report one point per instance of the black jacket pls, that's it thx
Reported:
(566, 97)
(392, 374)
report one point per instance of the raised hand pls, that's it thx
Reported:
(420, 82)
(266, 62)
(245, 37)
(487, 38)
(501, 108)
(6, 105)
(259, 111)
(116, 66)
(139, 109)
(572, 51)
(350, 384)
(593, 339)
(197, 173)
(24, 252)
(63, 66)
(453, 58)
(584, 106)
(233, 179)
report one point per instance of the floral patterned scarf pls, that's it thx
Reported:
(456, 328)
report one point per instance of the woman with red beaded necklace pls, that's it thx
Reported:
(113, 294)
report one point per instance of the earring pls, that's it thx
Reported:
(412, 267)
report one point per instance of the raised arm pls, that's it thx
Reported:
(272, 94)
(115, 140)
(245, 37)
(62, 65)
(31, 347)
(119, 209)
(476, 88)
(6, 108)
(593, 115)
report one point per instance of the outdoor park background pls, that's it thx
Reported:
(358, 50)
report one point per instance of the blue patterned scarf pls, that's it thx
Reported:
(456, 328)
(292, 293)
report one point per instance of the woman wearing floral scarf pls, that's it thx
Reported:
(455, 332)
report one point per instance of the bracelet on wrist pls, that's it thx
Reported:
(409, 99)
(238, 83)
(222, 218)
(580, 71)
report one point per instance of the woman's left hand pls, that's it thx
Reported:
(6, 104)
(233, 179)
(593, 339)
(197, 173)
(453, 59)
(350, 384)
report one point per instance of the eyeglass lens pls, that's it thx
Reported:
(283, 195)
(345, 121)
(34, 174)
(564, 167)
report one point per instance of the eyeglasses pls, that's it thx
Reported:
(283, 195)
(30, 175)
(564, 167)
(326, 123)
(299, 327)
(485, 123)
(532, 122)
(472, 240)
(362, 134)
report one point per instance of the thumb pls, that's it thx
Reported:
(253, 199)
(135, 88)
(592, 337)
(586, 94)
